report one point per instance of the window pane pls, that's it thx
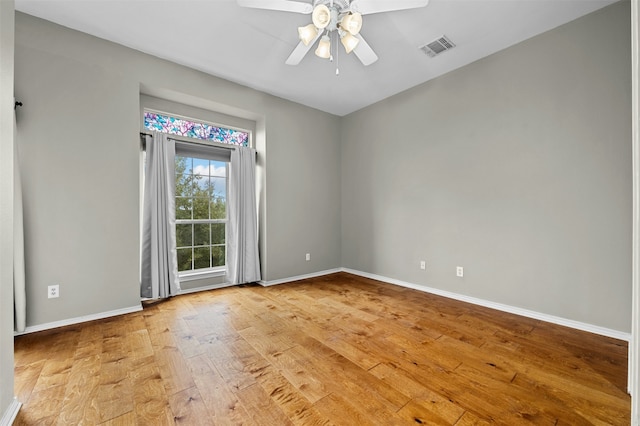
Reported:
(184, 259)
(201, 186)
(200, 167)
(217, 233)
(184, 233)
(218, 209)
(184, 185)
(201, 236)
(217, 256)
(204, 131)
(183, 165)
(210, 187)
(183, 208)
(200, 208)
(218, 187)
(201, 257)
(218, 168)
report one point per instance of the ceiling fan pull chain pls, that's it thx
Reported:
(337, 57)
(331, 48)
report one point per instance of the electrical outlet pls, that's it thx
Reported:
(308, 257)
(459, 271)
(53, 291)
(423, 265)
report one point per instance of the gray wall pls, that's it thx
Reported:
(78, 136)
(6, 204)
(516, 167)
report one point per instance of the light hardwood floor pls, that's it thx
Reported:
(336, 350)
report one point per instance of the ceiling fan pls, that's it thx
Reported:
(341, 19)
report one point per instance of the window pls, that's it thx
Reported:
(201, 191)
(192, 129)
(201, 213)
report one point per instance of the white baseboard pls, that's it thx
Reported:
(501, 307)
(11, 413)
(299, 277)
(77, 320)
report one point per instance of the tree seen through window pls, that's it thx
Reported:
(201, 213)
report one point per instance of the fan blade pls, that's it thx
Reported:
(364, 52)
(301, 50)
(366, 7)
(283, 5)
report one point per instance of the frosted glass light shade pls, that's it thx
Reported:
(321, 16)
(307, 33)
(351, 22)
(324, 48)
(349, 42)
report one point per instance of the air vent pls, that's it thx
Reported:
(437, 46)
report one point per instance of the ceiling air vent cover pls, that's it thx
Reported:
(437, 46)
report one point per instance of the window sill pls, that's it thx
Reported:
(211, 273)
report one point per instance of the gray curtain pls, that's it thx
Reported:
(19, 292)
(159, 275)
(243, 263)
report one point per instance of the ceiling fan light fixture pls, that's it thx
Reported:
(351, 22)
(324, 48)
(321, 16)
(307, 33)
(349, 41)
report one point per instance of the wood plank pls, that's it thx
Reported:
(589, 409)
(434, 410)
(235, 360)
(174, 370)
(404, 384)
(262, 409)
(223, 405)
(79, 404)
(327, 333)
(565, 367)
(302, 373)
(54, 373)
(352, 375)
(470, 419)
(114, 395)
(44, 405)
(189, 409)
(126, 419)
(150, 399)
(88, 348)
(292, 403)
(342, 412)
(28, 374)
(266, 343)
(138, 345)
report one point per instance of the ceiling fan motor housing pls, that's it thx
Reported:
(338, 4)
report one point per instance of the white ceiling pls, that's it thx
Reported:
(250, 46)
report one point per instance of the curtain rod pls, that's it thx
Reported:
(186, 139)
